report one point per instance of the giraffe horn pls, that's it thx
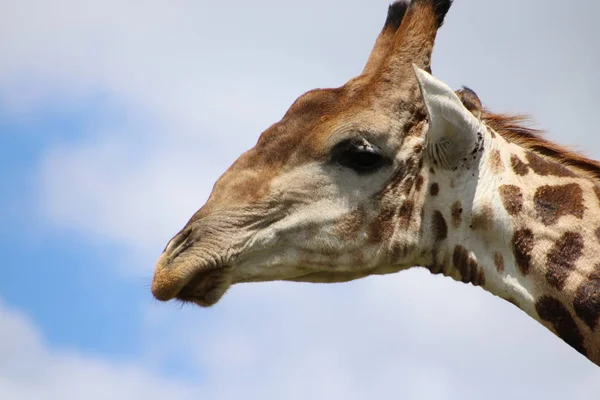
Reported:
(413, 42)
(385, 40)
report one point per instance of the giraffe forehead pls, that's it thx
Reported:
(317, 101)
(314, 122)
(297, 133)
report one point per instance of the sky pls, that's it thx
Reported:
(117, 117)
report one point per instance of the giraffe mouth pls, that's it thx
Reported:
(190, 280)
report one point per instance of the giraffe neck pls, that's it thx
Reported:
(527, 230)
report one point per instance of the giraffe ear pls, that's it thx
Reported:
(454, 133)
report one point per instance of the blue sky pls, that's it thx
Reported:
(116, 119)
(57, 276)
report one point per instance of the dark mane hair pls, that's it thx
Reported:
(513, 128)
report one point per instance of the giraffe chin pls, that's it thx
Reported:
(206, 288)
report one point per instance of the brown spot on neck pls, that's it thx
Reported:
(512, 198)
(419, 183)
(496, 161)
(405, 213)
(553, 311)
(439, 226)
(408, 185)
(499, 262)
(587, 299)
(552, 202)
(518, 166)
(467, 266)
(597, 191)
(546, 167)
(434, 190)
(483, 219)
(456, 214)
(562, 257)
(480, 278)
(522, 244)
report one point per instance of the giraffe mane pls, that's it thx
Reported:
(513, 128)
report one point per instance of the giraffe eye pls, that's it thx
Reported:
(358, 155)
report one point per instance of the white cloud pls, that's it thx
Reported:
(406, 336)
(346, 341)
(196, 83)
(111, 189)
(29, 369)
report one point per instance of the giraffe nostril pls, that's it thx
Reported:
(178, 243)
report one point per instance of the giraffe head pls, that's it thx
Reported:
(333, 191)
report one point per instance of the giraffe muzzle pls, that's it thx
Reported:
(190, 280)
(189, 274)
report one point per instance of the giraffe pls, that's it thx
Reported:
(395, 170)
